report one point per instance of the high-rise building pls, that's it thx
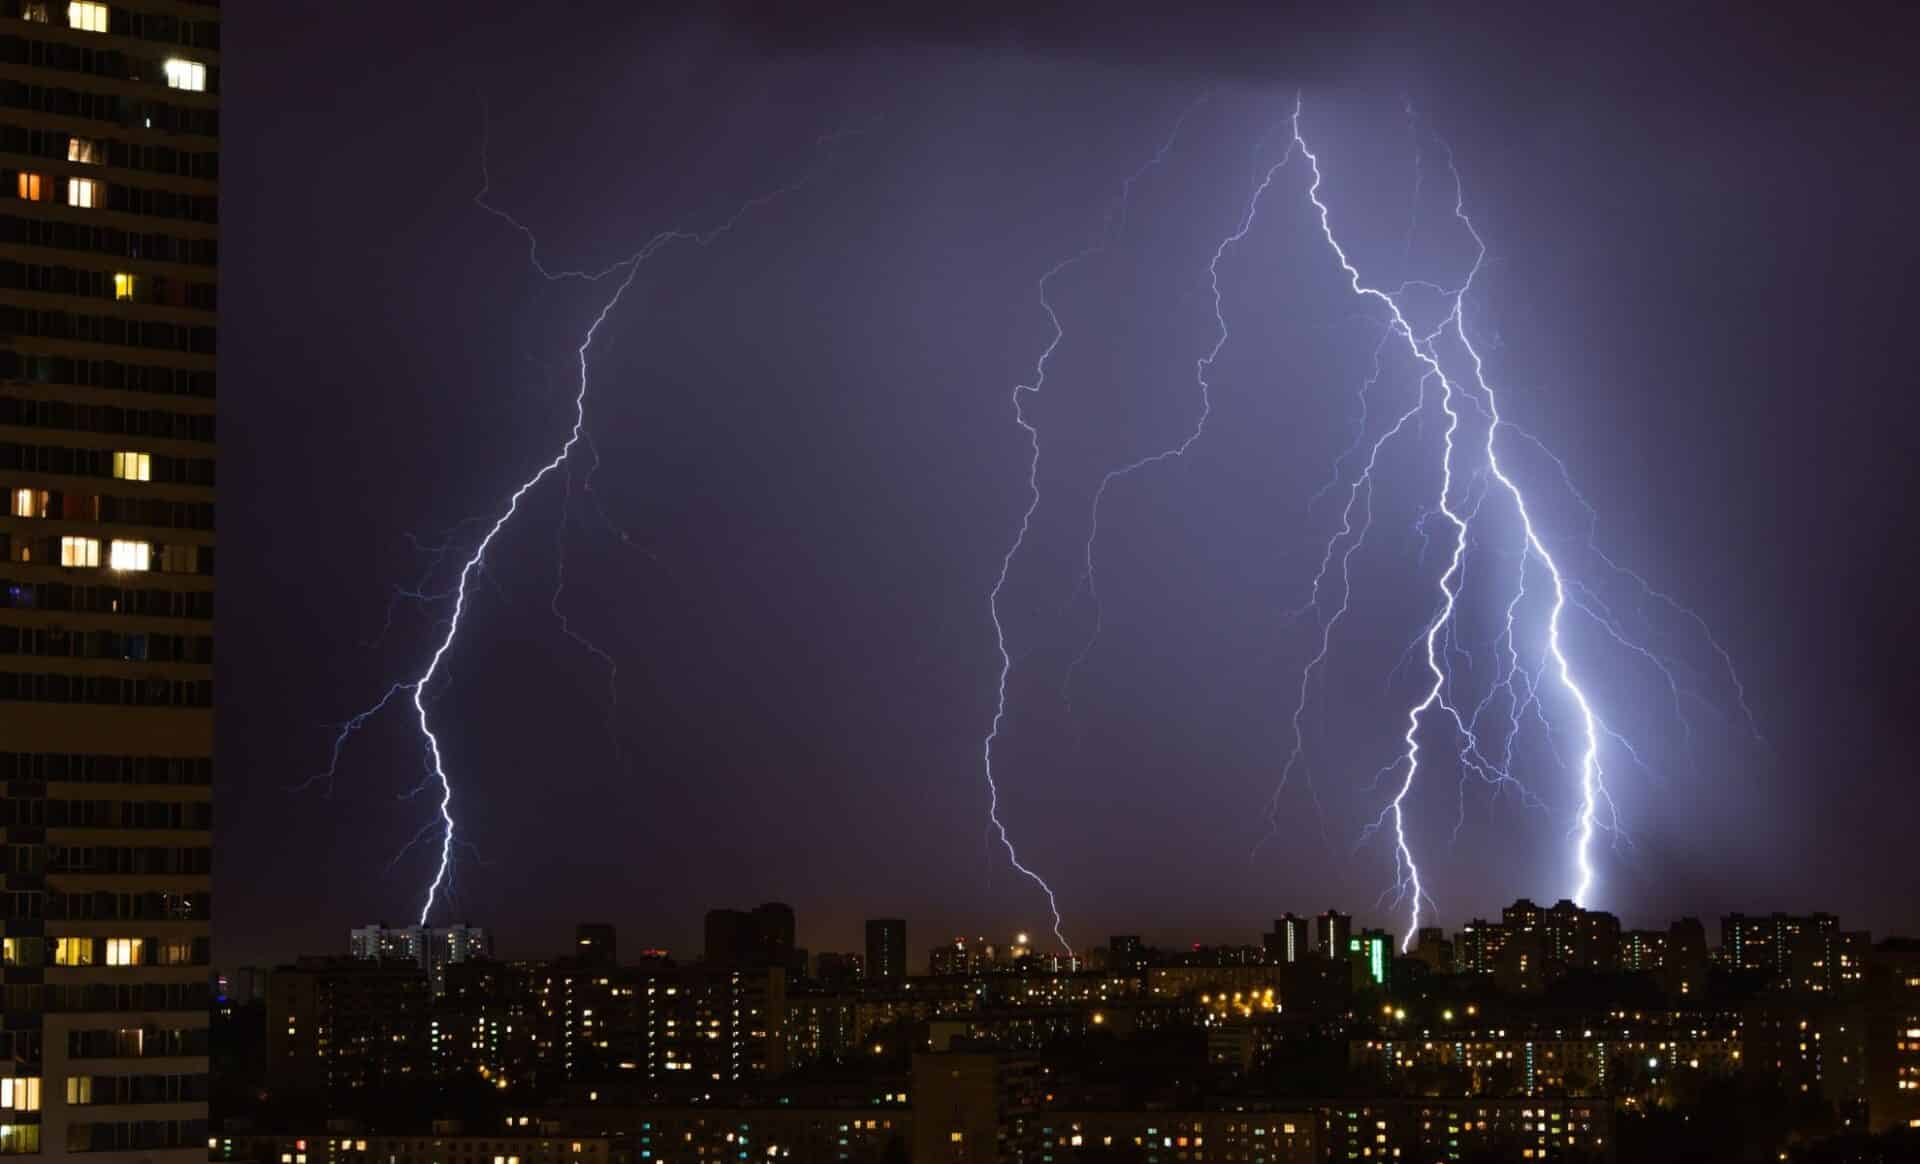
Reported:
(1478, 946)
(432, 948)
(832, 969)
(1893, 1033)
(1370, 954)
(1523, 917)
(763, 937)
(1683, 968)
(886, 949)
(1289, 941)
(109, 142)
(1643, 951)
(593, 944)
(1330, 933)
(729, 937)
(341, 1025)
(1126, 954)
(1431, 947)
(774, 931)
(1765, 945)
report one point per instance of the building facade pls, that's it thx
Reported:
(432, 948)
(886, 949)
(109, 136)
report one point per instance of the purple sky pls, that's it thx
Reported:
(1696, 292)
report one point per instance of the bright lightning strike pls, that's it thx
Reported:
(1461, 496)
(623, 273)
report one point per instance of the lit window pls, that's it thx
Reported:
(87, 16)
(29, 503)
(83, 192)
(32, 187)
(85, 150)
(133, 466)
(123, 951)
(125, 286)
(79, 551)
(73, 951)
(79, 1089)
(185, 74)
(20, 1094)
(956, 1137)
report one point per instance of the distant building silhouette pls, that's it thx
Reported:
(886, 949)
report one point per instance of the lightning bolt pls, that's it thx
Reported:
(1201, 367)
(1459, 502)
(1114, 220)
(1424, 350)
(622, 274)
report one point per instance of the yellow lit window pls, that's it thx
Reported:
(185, 74)
(133, 466)
(79, 1089)
(87, 16)
(20, 1094)
(956, 1137)
(123, 951)
(125, 286)
(83, 192)
(73, 952)
(85, 150)
(32, 187)
(29, 503)
(80, 552)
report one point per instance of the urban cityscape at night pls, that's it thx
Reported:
(1548, 1033)
(1018, 582)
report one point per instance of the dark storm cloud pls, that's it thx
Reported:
(1755, 56)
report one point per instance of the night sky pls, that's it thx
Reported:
(1698, 292)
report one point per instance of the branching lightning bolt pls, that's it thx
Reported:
(1114, 220)
(1459, 502)
(1201, 367)
(624, 272)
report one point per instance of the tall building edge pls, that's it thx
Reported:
(109, 163)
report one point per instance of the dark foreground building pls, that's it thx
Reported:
(109, 155)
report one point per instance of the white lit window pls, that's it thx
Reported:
(185, 74)
(133, 466)
(123, 951)
(32, 187)
(29, 503)
(20, 1094)
(125, 286)
(85, 150)
(79, 551)
(73, 951)
(79, 1089)
(87, 16)
(83, 192)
